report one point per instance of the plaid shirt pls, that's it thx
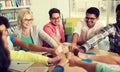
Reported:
(113, 32)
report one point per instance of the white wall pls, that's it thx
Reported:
(40, 9)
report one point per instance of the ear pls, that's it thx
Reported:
(98, 18)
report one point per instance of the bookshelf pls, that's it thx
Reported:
(10, 8)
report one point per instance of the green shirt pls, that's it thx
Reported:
(28, 40)
(102, 67)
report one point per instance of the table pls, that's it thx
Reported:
(74, 69)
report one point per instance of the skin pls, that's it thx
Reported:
(105, 58)
(4, 36)
(75, 61)
(26, 25)
(90, 22)
(55, 19)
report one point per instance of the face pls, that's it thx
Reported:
(4, 35)
(91, 20)
(55, 19)
(118, 17)
(27, 21)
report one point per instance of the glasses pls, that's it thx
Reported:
(53, 18)
(28, 20)
(88, 18)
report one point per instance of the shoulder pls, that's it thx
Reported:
(47, 25)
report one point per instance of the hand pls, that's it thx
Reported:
(65, 49)
(55, 52)
(63, 61)
(54, 60)
(77, 50)
(81, 49)
(72, 46)
(74, 61)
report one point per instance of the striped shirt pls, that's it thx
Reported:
(112, 31)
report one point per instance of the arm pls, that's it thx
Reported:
(60, 66)
(73, 45)
(47, 38)
(105, 59)
(58, 42)
(97, 38)
(75, 61)
(28, 56)
(32, 47)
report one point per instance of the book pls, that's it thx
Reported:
(13, 3)
(8, 3)
(2, 3)
(20, 65)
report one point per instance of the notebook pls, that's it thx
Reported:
(37, 69)
(20, 65)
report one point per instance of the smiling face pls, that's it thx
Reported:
(27, 21)
(55, 19)
(91, 20)
(4, 34)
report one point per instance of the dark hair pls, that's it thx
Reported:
(4, 20)
(4, 53)
(93, 10)
(118, 8)
(4, 56)
(53, 10)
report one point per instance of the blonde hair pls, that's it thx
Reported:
(21, 15)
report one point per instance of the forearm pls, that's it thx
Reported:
(32, 47)
(90, 67)
(58, 42)
(75, 38)
(105, 59)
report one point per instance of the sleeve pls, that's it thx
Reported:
(12, 38)
(48, 30)
(102, 67)
(77, 28)
(47, 38)
(99, 37)
(27, 56)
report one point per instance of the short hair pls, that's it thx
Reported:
(21, 15)
(53, 10)
(93, 10)
(118, 8)
(4, 21)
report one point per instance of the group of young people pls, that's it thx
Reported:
(87, 34)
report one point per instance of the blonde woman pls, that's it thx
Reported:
(30, 33)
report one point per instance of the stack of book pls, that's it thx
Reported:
(14, 3)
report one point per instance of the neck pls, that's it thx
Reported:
(26, 32)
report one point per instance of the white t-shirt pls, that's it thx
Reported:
(85, 32)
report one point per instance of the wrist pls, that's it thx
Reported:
(83, 48)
